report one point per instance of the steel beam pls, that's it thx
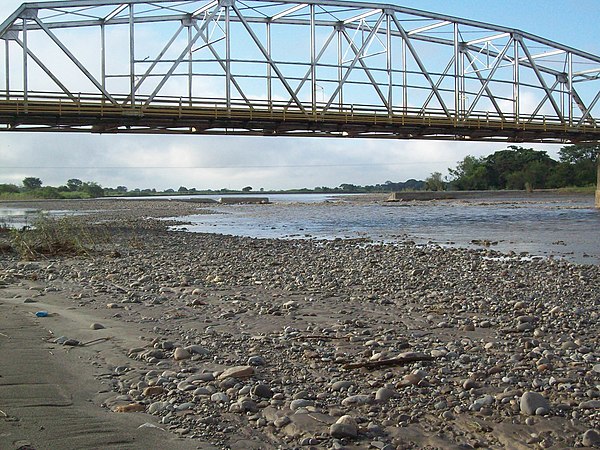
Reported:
(489, 78)
(180, 58)
(424, 71)
(354, 61)
(75, 61)
(46, 70)
(269, 60)
(542, 81)
(131, 55)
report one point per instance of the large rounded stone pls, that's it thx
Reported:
(181, 353)
(359, 399)
(384, 394)
(262, 390)
(591, 438)
(345, 427)
(237, 372)
(300, 403)
(531, 401)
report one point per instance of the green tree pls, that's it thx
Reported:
(92, 189)
(48, 192)
(31, 183)
(583, 160)
(74, 184)
(182, 189)
(247, 189)
(8, 189)
(574, 154)
(470, 174)
(501, 164)
(347, 187)
(434, 182)
(513, 168)
(562, 175)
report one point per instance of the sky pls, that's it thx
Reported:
(215, 162)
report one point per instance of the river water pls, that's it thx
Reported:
(557, 226)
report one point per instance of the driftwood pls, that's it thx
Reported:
(399, 361)
(320, 337)
(95, 341)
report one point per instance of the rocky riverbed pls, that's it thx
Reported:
(244, 343)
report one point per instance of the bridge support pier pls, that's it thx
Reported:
(598, 184)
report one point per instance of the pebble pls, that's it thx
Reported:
(132, 407)
(591, 438)
(97, 326)
(158, 407)
(281, 422)
(262, 390)
(219, 397)
(470, 383)
(300, 403)
(256, 361)
(345, 427)
(153, 390)
(237, 372)
(590, 404)
(341, 385)
(181, 354)
(356, 400)
(531, 402)
(197, 350)
(384, 394)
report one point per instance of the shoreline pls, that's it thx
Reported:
(358, 197)
(244, 343)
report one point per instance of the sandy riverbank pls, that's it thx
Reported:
(226, 342)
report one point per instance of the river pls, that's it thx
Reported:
(560, 226)
(539, 225)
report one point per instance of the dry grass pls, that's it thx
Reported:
(65, 236)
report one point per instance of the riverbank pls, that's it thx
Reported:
(537, 195)
(230, 342)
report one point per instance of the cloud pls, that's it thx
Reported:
(208, 161)
(225, 161)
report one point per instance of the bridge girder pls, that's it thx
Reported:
(280, 67)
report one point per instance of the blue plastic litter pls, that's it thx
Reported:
(42, 313)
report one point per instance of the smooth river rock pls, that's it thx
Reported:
(237, 372)
(531, 402)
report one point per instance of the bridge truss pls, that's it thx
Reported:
(283, 67)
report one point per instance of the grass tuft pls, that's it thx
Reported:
(64, 236)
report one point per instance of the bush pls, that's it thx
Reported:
(8, 189)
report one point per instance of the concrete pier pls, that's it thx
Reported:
(243, 200)
(598, 185)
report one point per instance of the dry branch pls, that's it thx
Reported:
(398, 361)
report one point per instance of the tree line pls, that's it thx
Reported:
(32, 187)
(513, 168)
(522, 169)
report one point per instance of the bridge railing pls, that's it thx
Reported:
(54, 103)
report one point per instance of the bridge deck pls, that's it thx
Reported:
(179, 117)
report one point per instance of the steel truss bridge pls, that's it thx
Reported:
(291, 68)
